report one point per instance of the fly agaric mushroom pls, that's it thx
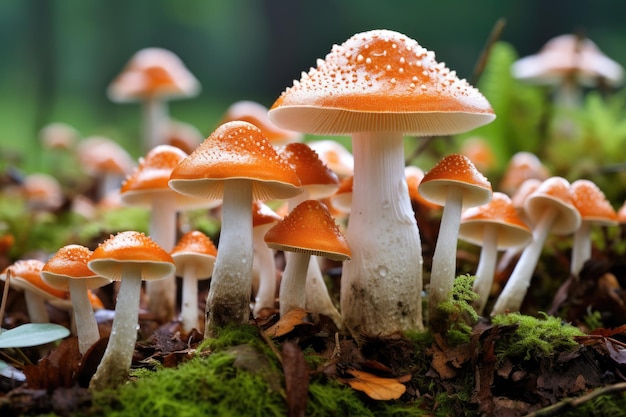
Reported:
(148, 187)
(129, 257)
(256, 114)
(153, 76)
(454, 183)
(67, 271)
(238, 164)
(594, 208)
(264, 266)
(307, 230)
(549, 208)
(493, 226)
(26, 277)
(194, 257)
(378, 86)
(567, 62)
(335, 156)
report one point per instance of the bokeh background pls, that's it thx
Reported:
(58, 56)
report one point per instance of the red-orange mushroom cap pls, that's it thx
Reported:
(235, 150)
(195, 248)
(381, 80)
(70, 262)
(316, 178)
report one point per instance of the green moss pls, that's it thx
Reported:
(458, 313)
(535, 337)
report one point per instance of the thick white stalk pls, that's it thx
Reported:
(264, 263)
(381, 285)
(228, 301)
(162, 293)
(291, 293)
(513, 293)
(155, 119)
(189, 300)
(118, 356)
(486, 268)
(581, 251)
(86, 326)
(36, 307)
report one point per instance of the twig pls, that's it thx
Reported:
(574, 402)
(5, 294)
(484, 55)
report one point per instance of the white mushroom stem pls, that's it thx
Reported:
(581, 251)
(228, 301)
(486, 268)
(36, 307)
(513, 293)
(291, 293)
(86, 326)
(155, 118)
(265, 265)
(189, 307)
(444, 258)
(381, 285)
(162, 293)
(118, 356)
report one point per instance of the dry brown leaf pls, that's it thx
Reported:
(287, 323)
(374, 386)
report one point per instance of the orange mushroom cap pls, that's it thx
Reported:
(26, 275)
(70, 262)
(381, 80)
(235, 150)
(262, 214)
(314, 175)
(591, 203)
(309, 228)
(553, 193)
(197, 248)
(455, 171)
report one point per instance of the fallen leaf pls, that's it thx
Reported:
(296, 379)
(374, 386)
(288, 322)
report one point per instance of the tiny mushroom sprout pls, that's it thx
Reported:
(567, 62)
(26, 277)
(194, 257)
(493, 226)
(148, 187)
(379, 86)
(264, 266)
(68, 270)
(129, 257)
(237, 164)
(455, 184)
(308, 230)
(549, 208)
(594, 208)
(153, 76)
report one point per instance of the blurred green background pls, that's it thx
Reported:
(58, 56)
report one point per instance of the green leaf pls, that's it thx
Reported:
(32, 334)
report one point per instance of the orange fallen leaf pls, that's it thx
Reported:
(287, 323)
(376, 387)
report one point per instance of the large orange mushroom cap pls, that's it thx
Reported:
(235, 150)
(309, 228)
(381, 81)
(591, 203)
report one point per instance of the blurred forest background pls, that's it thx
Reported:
(58, 56)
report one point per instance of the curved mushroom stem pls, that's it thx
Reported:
(189, 301)
(444, 258)
(162, 293)
(264, 262)
(118, 356)
(513, 293)
(486, 268)
(86, 326)
(155, 118)
(291, 293)
(228, 301)
(581, 251)
(317, 298)
(36, 307)
(381, 285)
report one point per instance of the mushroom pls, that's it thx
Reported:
(521, 167)
(307, 230)
(549, 208)
(67, 271)
(263, 264)
(194, 257)
(238, 164)
(594, 209)
(148, 187)
(335, 156)
(129, 257)
(153, 76)
(455, 184)
(493, 226)
(26, 277)
(378, 86)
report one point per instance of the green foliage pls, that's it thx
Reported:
(459, 311)
(535, 337)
